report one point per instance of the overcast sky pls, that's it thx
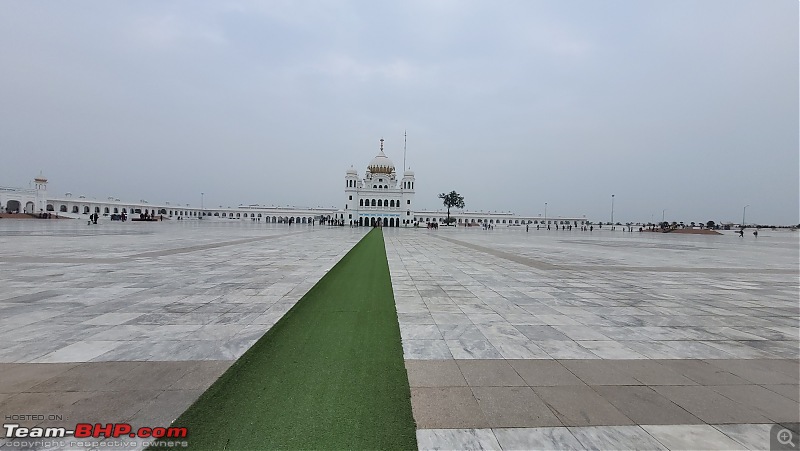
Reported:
(688, 106)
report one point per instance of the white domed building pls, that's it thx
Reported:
(379, 198)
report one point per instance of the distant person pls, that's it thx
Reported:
(741, 233)
(526, 228)
(755, 233)
(591, 228)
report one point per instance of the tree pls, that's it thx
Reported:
(451, 200)
(710, 224)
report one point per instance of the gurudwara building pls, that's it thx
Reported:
(379, 198)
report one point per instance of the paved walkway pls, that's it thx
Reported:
(132, 322)
(573, 340)
(513, 340)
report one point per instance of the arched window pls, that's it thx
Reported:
(105, 210)
(373, 202)
(374, 186)
(391, 203)
(380, 203)
(124, 211)
(63, 209)
(85, 210)
(361, 202)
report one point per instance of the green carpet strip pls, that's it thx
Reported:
(328, 375)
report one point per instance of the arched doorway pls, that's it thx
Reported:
(29, 207)
(13, 206)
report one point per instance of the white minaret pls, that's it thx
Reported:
(407, 203)
(41, 194)
(350, 196)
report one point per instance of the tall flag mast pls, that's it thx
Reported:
(405, 139)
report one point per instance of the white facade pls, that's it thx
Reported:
(379, 197)
(21, 200)
(479, 218)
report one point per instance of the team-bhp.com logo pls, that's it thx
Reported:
(87, 430)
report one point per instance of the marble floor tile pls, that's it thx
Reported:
(420, 332)
(513, 407)
(452, 439)
(553, 438)
(616, 438)
(426, 350)
(82, 351)
(472, 349)
(699, 436)
(710, 406)
(446, 407)
(434, 373)
(544, 373)
(490, 373)
(577, 405)
(751, 436)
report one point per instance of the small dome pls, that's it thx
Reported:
(381, 164)
(352, 171)
(408, 173)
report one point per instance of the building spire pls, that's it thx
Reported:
(381, 145)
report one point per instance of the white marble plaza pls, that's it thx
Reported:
(598, 340)
(152, 291)
(512, 339)
(510, 294)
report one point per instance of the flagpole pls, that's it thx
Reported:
(405, 140)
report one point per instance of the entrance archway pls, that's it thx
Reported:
(13, 206)
(29, 207)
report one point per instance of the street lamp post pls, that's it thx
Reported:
(545, 213)
(612, 210)
(744, 211)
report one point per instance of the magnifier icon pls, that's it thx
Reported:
(785, 437)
